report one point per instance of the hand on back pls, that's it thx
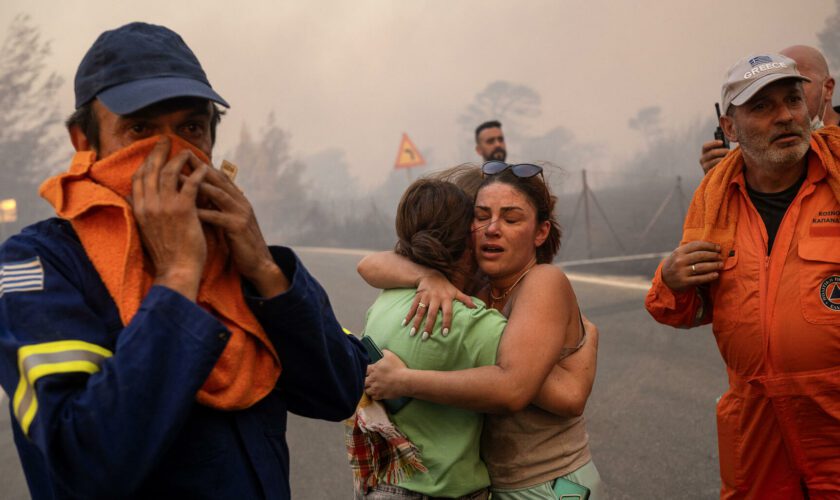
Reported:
(383, 380)
(434, 293)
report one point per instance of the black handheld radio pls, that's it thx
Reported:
(719, 135)
(375, 354)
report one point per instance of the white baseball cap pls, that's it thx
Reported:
(753, 73)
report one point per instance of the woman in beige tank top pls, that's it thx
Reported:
(534, 396)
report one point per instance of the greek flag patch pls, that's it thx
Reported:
(755, 61)
(22, 276)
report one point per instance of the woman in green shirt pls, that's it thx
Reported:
(433, 225)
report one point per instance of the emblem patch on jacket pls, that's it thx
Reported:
(23, 276)
(830, 292)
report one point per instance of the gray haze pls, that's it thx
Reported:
(352, 76)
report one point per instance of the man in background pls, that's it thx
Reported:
(490, 141)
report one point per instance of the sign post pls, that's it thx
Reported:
(408, 156)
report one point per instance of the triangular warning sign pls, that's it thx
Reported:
(408, 155)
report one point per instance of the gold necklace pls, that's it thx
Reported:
(494, 299)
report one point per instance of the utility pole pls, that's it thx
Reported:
(677, 190)
(586, 215)
(585, 194)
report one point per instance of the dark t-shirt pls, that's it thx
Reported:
(772, 206)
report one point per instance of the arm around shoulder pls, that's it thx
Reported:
(568, 386)
(390, 270)
(529, 349)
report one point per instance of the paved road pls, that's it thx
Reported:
(650, 417)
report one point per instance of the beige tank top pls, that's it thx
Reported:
(533, 446)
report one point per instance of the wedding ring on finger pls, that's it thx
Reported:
(693, 269)
(420, 304)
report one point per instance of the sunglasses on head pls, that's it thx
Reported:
(521, 170)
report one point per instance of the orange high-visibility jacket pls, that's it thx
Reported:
(776, 320)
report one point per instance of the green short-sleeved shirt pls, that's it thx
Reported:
(447, 437)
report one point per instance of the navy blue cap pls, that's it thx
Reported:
(137, 65)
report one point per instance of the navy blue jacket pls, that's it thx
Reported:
(108, 410)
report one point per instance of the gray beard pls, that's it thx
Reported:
(772, 159)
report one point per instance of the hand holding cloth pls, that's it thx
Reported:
(91, 195)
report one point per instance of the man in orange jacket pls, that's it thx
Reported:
(760, 260)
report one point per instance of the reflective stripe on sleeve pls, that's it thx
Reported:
(39, 360)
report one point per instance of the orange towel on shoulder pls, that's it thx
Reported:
(713, 213)
(92, 196)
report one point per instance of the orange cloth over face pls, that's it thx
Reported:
(776, 320)
(92, 196)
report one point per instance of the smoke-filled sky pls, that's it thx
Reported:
(356, 74)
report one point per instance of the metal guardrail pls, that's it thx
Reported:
(617, 258)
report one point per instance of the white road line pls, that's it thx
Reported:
(337, 251)
(618, 282)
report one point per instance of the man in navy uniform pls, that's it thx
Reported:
(150, 340)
